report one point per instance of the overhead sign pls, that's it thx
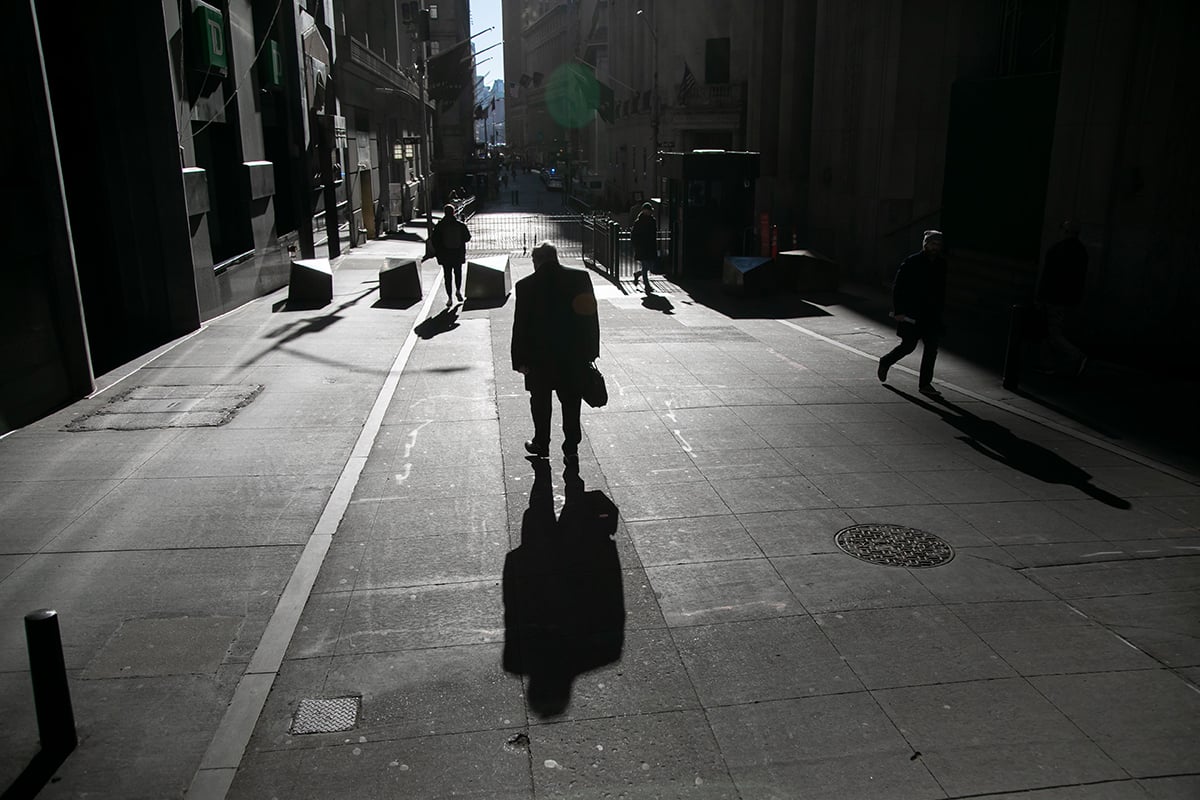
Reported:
(209, 31)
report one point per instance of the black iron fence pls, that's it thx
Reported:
(599, 241)
(519, 233)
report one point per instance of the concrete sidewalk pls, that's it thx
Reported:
(675, 620)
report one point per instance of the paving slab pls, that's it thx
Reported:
(894, 647)
(478, 764)
(1147, 721)
(993, 736)
(691, 540)
(665, 754)
(749, 661)
(828, 747)
(718, 591)
(838, 582)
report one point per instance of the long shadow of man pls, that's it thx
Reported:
(564, 609)
(1000, 444)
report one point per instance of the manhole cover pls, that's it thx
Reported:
(326, 714)
(894, 545)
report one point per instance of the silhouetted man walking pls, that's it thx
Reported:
(450, 237)
(556, 334)
(918, 299)
(645, 242)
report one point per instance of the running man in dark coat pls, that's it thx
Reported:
(918, 299)
(556, 334)
(645, 242)
(450, 237)
(1064, 278)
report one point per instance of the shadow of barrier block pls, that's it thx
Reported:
(808, 271)
(749, 275)
(399, 279)
(488, 278)
(311, 282)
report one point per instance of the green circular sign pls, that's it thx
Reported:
(572, 94)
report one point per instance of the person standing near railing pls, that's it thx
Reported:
(449, 239)
(645, 242)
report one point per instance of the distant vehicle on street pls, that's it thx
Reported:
(552, 180)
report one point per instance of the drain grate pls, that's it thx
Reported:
(894, 545)
(146, 407)
(326, 714)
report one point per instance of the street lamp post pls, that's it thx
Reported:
(653, 97)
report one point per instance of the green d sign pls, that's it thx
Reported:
(209, 30)
(572, 95)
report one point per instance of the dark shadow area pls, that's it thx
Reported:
(564, 608)
(1069, 413)
(443, 322)
(1139, 400)
(442, 370)
(36, 775)
(481, 303)
(658, 302)
(1003, 446)
(291, 331)
(399, 305)
(773, 305)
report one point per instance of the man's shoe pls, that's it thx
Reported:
(534, 450)
(449, 302)
(929, 390)
(882, 371)
(459, 296)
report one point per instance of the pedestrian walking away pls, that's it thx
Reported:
(556, 335)
(449, 238)
(645, 242)
(1060, 291)
(918, 300)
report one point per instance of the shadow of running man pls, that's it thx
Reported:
(564, 609)
(1000, 444)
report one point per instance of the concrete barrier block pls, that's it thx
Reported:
(311, 281)
(400, 279)
(748, 274)
(809, 271)
(488, 278)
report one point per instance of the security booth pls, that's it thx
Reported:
(710, 194)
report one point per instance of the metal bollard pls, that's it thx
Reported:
(48, 671)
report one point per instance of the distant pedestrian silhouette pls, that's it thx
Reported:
(1060, 290)
(645, 242)
(918, 300)
(449, 239)
(556, 334)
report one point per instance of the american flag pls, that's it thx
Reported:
(687, 84)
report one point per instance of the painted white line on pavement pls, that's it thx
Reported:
(217, 769)
(1028, 415)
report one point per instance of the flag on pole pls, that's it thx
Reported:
(687, 84)
(606, 103)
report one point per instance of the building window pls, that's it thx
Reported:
(433, 11)
(435, 48)
(716, 61)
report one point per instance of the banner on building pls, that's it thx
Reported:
(450, 73)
